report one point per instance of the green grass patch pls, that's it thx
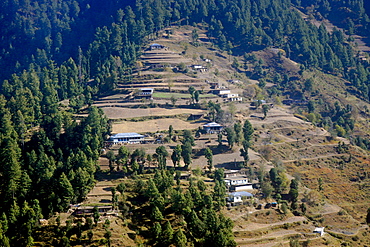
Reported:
(179, 95)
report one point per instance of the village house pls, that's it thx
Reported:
(233, 173)
(200, 68)
(146, 93)
(238, 183)
(88, 210)
(236, 180)
(129, 138)
(232, 99)
(212, 127)
(156, 47)
(230, 95)
(221, 91)
(241, 187)
(319, 230)
(237, 197)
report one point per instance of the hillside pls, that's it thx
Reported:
(282, 139)
(184, 123)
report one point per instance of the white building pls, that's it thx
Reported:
(242, 187)
(213, 127)
(233, 99)
(237, 180)
(200, 68)
(223, 91)
(238, 196)
(130, 138)
(319, 230)
(145, 93)
(230, 95)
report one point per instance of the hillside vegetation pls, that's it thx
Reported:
(295, 122)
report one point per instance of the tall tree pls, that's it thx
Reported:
(180, 239)
(209, 156)
(176, 155)
(230, 135)
(162, 154)
(247, 131)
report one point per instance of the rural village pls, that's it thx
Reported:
(178, 81)
(185, 123)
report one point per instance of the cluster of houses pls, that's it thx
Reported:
(224, 92)
(135, 138)
(239, 186)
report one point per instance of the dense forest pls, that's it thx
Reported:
(76, 50)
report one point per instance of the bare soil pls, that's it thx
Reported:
(126, 113)
(152, 126)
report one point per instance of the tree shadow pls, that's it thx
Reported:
(233, 165)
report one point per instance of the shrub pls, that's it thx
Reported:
(342, 212)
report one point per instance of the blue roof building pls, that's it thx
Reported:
(213, 127)
(156, 46)
(129, 138)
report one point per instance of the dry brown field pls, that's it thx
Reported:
(126, 113)
(154, 125)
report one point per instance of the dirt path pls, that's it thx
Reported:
(256, 226)
(272, 235)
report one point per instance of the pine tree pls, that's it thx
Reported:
(156, 215)
(247, 131)
(162, 154)
(167, 233)
(180, 239)
(209, 156)
(176, 155)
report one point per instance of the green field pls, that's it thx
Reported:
(180, 95)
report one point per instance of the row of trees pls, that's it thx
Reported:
(241, 135)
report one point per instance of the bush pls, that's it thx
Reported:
(197, 172)
(355, 238)
(342, 212)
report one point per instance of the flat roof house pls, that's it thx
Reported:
(221, 91)
(237, 180)
(130, 138)
(145, 93)
(237, 196)
(213, 127)
(319, 230)
(241, 187)
(230, 95)
(200, 68)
